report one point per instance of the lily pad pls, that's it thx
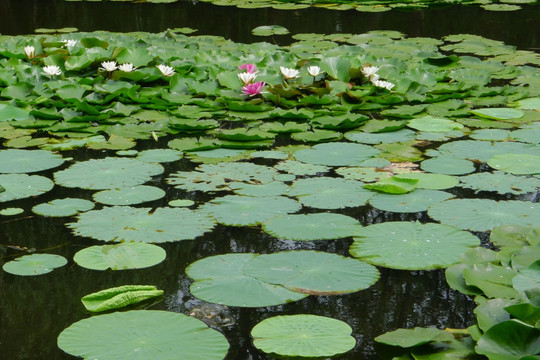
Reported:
(509, 340)
(500, 182)
(126, 223)
(35, 264)
(393, 185)
(20, 186)
(28, 161)
(11, 211)
(303, 335)
(406, 338)
(313, 272)
(119, 297)
(448, 166)
(521, 164)
(63, 207)
(156, 334)
(411, 246)
(499, 113)
(336, 154)
(431, 181)
(120, 256)
(220, 279)
(267, 30)
(416, 201)
(129, 195)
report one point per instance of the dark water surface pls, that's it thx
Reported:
(34, 310)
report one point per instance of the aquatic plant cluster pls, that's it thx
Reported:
(284, 139)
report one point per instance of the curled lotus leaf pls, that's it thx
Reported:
(108, 173)
(119, 297)
(126, 223)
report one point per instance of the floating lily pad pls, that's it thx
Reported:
(306, 227)
(330, 193)
(499, 113)
(63, 207)
(448, 166)
(129, 195)
(406, 338)
(500, 182)
(249, 210)
(220, 279)
(416, 201)
(268, 30)
(35, 264)
(181, 203)
(126, 223)
(431, 181)
(313, 272)
(393, 185)
(521, 164)
(274, 188)
(485, 214)
(119, 297)
(11, 211)
(366, 174)
(336, 154)
(156, 334)
(20, 186)
(299, 168)
(430, 123)
(120, 256)
(303, 335)
(107, 173)
(159, 155)
(411, 246)
(483, 150)
(28, 161)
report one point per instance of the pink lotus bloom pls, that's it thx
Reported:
(253, 88)
(250, 68)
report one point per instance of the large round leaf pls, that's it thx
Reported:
(330, 193)
(485, 214)
(313, 272)
(319, 226)
(220, 279)
(20, 186)
(500, 182)
(120, 256)
(448, 165)
(336, 154)
(239, 210)
(418, 200)
(303, 335)
(63, 207)
(521, 164)
(107, 173)
(35, 264)
(129, 195)
(509, 340)
(126, 223)
(143, 334)
(485, 150)
(27, 161)
(411, 246)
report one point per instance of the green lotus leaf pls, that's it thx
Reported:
(366, 174)
(509, 340)
(431, 181)
(483, 150)
(236, 210)
(407, 338)
(492, 312)
(528, 278)
(430, 123)
(448, 165)
(393, 185)
(299, 168)
(307, 227)
(108, 173)
(129, 195)
(159, 155)
(126, 223)
(63, 207)
(28, 161)
(411, 246)
(401, 135)
(312, 272)
(35, 264)
(268, 30)
(156, 334)
(485, 214)
(336, 154)
(303, 335)
(11, 211)
(521, 164)
(416, 201)
(215, 177)
(515, 236)
(119, 297)
(316, 135)
(120, 256)
(399, 152)
(8, 112)
(490, 134)
(499, 113)
(275, 188)
(270, 154)
(500, 182)
(20, 186)
(526, 135)
(330, 193)
(221, 280)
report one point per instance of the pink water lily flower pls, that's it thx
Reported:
(250, 68)
(253, 88)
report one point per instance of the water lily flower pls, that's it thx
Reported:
(30, 52)
(383, 84)
(371, 72)
(109, 66)
(52, 70)
(314, 70)
(70, 43)
(127, 67)
(247, 77)
(166, 70)
(289, 73)
(250, 68)
(253, 89)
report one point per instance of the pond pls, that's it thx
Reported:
(457, 108)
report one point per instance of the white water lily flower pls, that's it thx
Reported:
(70, 43)
(109, 66)
(247, 77)
(166, 70)
(127, 67)
(289, 73)
(30, 52)
(314, 70)
(371, 72)
(383, 84)
(52, 70)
